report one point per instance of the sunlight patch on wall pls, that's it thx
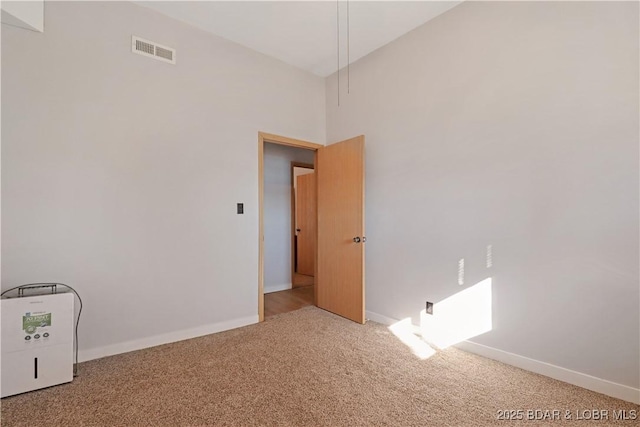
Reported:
(463, 315)
(405, 332)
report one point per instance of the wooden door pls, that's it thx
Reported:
(340, 261)
(306, 222)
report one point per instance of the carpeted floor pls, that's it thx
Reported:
(304, 368)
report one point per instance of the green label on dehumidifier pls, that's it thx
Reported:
(31, 323)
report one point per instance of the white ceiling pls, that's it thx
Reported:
(303, 33)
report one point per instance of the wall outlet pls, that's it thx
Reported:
(429, 307)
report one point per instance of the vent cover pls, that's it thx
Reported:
(152, 50)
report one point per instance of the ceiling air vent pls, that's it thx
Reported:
(152, 50)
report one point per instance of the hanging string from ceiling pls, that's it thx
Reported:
(348, 47)
(338, 50)
(348, 59)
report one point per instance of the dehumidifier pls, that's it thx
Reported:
(37, 342)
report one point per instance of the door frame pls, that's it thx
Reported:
(264, 137)
(293, 213)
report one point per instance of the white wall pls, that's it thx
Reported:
(121, 174)
(277, 213)
(513, 124)
(24, 14)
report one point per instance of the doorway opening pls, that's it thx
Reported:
(303, 224)
(280, 287)
(340, 233)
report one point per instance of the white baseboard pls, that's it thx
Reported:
(277, 288)
(579, 379)
(379, 318)
(589, 382)
(127, 346)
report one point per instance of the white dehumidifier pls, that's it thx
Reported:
(37, 342)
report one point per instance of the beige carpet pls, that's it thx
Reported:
(304, 368)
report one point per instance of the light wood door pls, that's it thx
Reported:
(306, 221)
(340, 261)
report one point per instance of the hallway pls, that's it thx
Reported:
(289, 300)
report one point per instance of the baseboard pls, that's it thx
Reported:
(277, 288)
(127, 346)
(589, 382)
(579, 379)
(379, 318)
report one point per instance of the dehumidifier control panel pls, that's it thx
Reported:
(37, 342)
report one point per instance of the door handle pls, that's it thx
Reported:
(298, 230)
(364, 239)
(356, 240)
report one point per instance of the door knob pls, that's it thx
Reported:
(298, 230)
(356, 239)
(364, 239)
